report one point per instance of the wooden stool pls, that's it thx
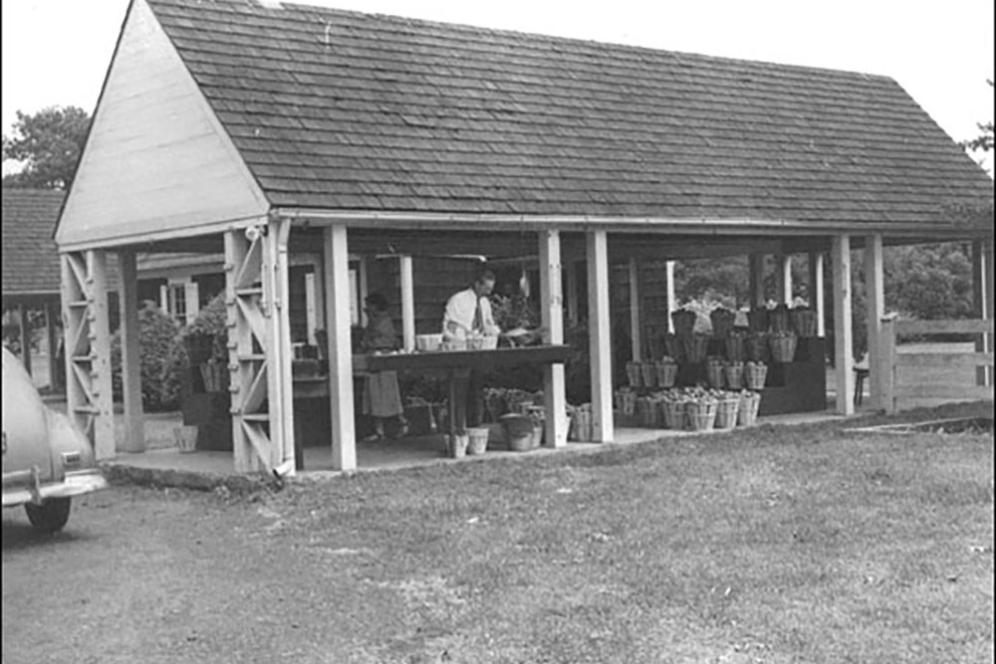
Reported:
(860, 374)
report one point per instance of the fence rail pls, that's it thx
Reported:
(978, 365)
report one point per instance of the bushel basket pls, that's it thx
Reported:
(783, 347)
(726, 413)
(700, 415)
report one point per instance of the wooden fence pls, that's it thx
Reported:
(978, 383)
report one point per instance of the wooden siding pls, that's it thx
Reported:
(156, 159)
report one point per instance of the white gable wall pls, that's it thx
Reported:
(157, 162)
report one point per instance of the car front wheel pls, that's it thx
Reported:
(50, 516)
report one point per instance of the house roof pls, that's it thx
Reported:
(347, 111)
(30, 256)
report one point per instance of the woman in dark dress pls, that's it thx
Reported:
(381, 397)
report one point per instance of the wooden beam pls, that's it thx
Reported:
(72, 296)
(817, 301)
(887, 383)
(284, 453)
(600, 342)
(843, 349)
(22, 321)
(52, 339)
(131, 355)
(571, 286)
(672, 296)
(240, 345)
(875, 294)
(755, 263)
(340, 351)
(552, 314)
(982, 299)
(635, 329)
(100, 351)
(407, 271)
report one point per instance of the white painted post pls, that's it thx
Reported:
(72, 296)
(53, 346)
(340, 351)
(843, 354)
(131, 356)
(100, 351)
(319, 284)
(552, 313)
(982, 292)
(989, 288)
(785, 279)
(571, 286)
(407, 303)
(634, 310)
(284, 455)
(875, 293)
(310, 306)
(817, 300)
(600, 342)
(672, 297)
(240, 345)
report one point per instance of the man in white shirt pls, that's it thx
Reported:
(469, 311)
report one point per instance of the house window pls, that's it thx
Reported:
(179, 300)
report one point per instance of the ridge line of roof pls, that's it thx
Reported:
(303, 7)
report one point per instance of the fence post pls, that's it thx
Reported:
(887, 366)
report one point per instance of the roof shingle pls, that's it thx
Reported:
(30, 255)
(342, 110)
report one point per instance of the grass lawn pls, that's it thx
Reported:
(795, 545)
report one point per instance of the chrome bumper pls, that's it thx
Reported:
(75, 484)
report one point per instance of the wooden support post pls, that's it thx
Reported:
(571, 288)
(785, 279)
(672, 297)
(600, 342)
(634, 310)
(74, 301)
(284, 449)
(100, 352)
(875, 294)
(982, 296)
(843, 350)
(25, 339)
(755, 264)
(131, 356)
(552, 314)
(52, 339)
(407, 303)
(240, 347)
(887, 383)
(817, 301)
(340, 351)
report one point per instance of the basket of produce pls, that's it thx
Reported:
(456, 444)
(700, 413)
(734, 374)
(674, 348)
(755, 373)
(684, 322)
(778, 318)
(695, 347)
(477, 440)
(749, 404)
(453, 344)
(482, 342)
(714, 372)
(581, 424)
(804, 321)
(519, 431)
(648, 412)
(648, 374)
(428, 343)
(757, 347)
(726, 411)
(734, 346)
(722, 321)
(783, 345)
(673, 408)
(667, 371)
(757, 319)
(519, 401)
(634, 375)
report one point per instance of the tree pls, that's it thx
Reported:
(984, 141)
(49, 144)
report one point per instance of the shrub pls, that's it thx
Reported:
(211, 323)
(163, 360)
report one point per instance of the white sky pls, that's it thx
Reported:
(56, 52)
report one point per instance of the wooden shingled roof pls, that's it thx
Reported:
(347, 111)
(30, 256)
